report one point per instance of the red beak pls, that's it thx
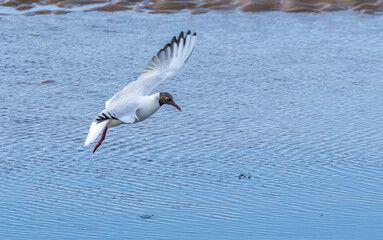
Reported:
(176, 106)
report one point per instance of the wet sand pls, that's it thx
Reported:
(32, 7)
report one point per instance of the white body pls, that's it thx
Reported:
(149, 105)
(133, 103)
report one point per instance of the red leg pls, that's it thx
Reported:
(101, 139)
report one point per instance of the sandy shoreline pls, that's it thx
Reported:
(32, 7)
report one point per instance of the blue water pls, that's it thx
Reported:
(293, 101)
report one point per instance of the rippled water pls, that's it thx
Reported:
(291, 101)
(32, 7)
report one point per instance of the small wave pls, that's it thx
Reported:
(31, 7)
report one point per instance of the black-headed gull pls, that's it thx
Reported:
(133, 103)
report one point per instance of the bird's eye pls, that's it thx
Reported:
(167, 99)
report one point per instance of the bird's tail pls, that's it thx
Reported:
(95, 130)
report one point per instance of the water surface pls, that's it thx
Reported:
(293, 101)
(32, 7)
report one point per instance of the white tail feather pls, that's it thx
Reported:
(95, 130)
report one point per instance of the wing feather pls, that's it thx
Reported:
(164, 65)
(123, 112)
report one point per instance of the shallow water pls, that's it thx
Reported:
(293, 101)
(32, 7)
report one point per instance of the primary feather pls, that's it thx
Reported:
(164, 65)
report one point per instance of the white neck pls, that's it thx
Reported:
(149, 105)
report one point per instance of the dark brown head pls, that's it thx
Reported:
(166, 98)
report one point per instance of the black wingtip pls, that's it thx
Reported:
(181, 36)
(158, 54)
(174, 40)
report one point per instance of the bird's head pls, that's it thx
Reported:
(166, 98)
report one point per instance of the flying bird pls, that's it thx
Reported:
(133, 103)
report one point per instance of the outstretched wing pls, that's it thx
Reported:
(164, 65)
(167, 62)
